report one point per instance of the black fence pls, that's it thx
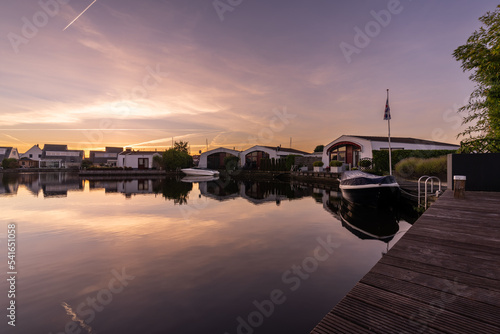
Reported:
(481, 170)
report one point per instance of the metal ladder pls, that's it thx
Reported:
(428, 178)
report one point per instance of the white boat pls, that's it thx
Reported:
(199, 172)
(368, 189)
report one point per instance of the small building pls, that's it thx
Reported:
(352, 149)
(34, 153)
(214, 159)
(8, 153)
(58, 156)
(109, 157)
(252, 157)
(137, 159)
(28, 163)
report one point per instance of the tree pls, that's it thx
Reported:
(181, 146)
(173, 159)
(319, 148)
(86, 163)
(481, 56)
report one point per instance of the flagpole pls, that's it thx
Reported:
(389, 136)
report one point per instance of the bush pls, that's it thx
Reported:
(417, 167)
(381, 158)
(318, 164)
(10, 163)
(335, 163)
(365, 163)
(86, 163)
(290, 161)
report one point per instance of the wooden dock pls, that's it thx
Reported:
(442, 276)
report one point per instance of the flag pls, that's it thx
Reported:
(387, 112)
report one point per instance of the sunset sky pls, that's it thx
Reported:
(137, 73)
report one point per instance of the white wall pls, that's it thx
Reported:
(132, 160)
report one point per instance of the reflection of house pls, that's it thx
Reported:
(58, 156)
(135, 187)
(351, 149)
(34, 153)
(252, 157)
(109, 157)
(8, 185)
(137, 159)
(8, 153)
(58, 184)
(214, 159)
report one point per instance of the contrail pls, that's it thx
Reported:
(76, 18)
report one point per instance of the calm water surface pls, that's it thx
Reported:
(165, 256)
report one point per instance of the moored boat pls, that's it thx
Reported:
(368, 189)
(199, 172)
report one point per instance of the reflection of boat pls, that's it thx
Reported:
(199, 171)
(200, 178)
(368, 189)
(367, 222)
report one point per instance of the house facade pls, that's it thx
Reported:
(58, 156)
(109, 157)
(252, 157)
(137, 159)
(351, 149)
(34, 153)
(8, 153)
(214, 159)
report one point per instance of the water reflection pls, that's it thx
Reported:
(196, 276)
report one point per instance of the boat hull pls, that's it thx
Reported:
(199, 172)
(376, 196)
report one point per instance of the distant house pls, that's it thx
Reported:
(28, 163)
(34, 153)
(214, 159)
(109, 157)
(351, 149)
(8, 153)
(252, 157)
(137, 159)
(58, 156)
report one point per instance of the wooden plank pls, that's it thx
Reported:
(444, 296)
(442, 273)
(451, 243)
(335, 324)
(433, 315)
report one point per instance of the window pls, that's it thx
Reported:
(31, 155)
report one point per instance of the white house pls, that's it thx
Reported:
(136, 159)
(8, 153)
(58, 156)
(34, 153)
(351, 149)
(214, 159)
(253, 156)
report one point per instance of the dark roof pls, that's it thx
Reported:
(405, 140)
(51, 147)
(283, 149)
(114, 149)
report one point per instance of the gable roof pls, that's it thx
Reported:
(6, 154)
(404, 140)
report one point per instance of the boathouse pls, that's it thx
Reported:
(352, 149)
(214, 159)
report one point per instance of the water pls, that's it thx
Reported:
(163, 256)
